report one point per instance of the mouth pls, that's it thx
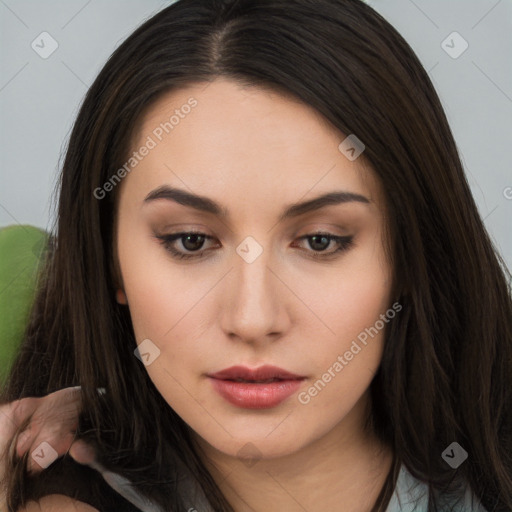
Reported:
(256, 381)
(262, 374)
(261, 388)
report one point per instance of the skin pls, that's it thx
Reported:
(52, 419)
(255, 152)
(310, 455)
(273, 310)
(57, 503)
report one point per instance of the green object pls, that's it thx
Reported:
(21, 250)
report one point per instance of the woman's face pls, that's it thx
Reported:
(255, 290)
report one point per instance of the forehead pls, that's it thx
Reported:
(212, 137)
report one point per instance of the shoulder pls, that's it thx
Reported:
(57, 503)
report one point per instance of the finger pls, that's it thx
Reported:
(13, 416)
(46, 449)
(82, 452)
(62, 406)
(16, 413)
(7, 424)
(24, 442)
(20, 410)
(59, 436)
(56, 416)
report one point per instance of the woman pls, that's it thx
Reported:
(268, 256)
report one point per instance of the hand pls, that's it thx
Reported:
(54, 420)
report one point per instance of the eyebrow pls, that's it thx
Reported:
(205, 204)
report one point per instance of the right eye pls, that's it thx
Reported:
(191, 241)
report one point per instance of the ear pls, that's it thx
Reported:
(121, 297)
(116, 271)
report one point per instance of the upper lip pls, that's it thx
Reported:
(261, 373)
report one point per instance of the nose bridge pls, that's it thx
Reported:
(253, 305)
(252, 268)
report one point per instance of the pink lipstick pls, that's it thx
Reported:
(259, 388)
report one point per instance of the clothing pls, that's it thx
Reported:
(87, 485)
(411, 495)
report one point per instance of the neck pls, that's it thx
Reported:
(345, 469)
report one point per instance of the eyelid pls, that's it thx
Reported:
(169, 239)
(343, 244)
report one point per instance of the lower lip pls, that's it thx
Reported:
(255, 396)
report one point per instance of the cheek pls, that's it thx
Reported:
(363, 292)
(156, 289)
(360, 301)
(344, 364)
(167, 307)
(149, 305)
(355, 309)
(349, 300)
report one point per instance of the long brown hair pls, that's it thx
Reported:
(447, 364)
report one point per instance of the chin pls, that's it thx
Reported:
(259, 445)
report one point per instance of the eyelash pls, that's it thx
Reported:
(344, 243)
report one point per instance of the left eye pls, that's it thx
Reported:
(193, 242)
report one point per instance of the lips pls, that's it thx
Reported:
(261, 388)
(266, 373)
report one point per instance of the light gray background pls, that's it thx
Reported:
(39, 97)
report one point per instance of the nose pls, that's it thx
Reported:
(254, 301)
